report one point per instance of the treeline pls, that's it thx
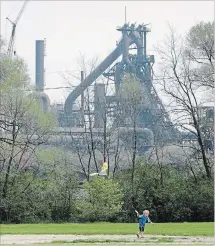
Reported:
(171, 196)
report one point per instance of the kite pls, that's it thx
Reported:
(103, 172)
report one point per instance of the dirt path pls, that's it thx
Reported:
(36, 239)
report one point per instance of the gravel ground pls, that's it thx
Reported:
(36, 239)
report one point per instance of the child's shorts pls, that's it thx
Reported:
(141, 228)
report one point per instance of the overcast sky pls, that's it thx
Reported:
(89, 27)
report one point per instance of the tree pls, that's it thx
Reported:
(131, 100)
(23, 127)
(178, 198)
(199, 48)
(58, 173)
(102, 199)
(88, 156)
(179, 85)
(98, 134)
(45, 194)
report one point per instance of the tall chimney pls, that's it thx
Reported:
(40, 65)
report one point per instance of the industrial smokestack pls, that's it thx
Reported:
(40, 65)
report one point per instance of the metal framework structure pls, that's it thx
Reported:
(154, 116)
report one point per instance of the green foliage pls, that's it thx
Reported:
(170, 195)
(26, 200)
(201, 38)
(35, 197)
(24, 127)
(131, 95)
(199, 48)
(14, 74)
(130, 91)
(102, 199)
(44, 121)
(52, 194)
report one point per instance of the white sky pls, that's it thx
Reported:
(89, 27)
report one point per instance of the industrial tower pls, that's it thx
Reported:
(41, 96)
(153, 116)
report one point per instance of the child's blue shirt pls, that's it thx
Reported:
(143, 220)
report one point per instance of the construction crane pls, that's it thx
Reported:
(14, 24)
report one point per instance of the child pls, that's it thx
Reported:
(142, 219)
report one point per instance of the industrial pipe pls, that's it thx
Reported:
(128, 40)
(137, 40)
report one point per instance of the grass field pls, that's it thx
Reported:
(171, 229)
